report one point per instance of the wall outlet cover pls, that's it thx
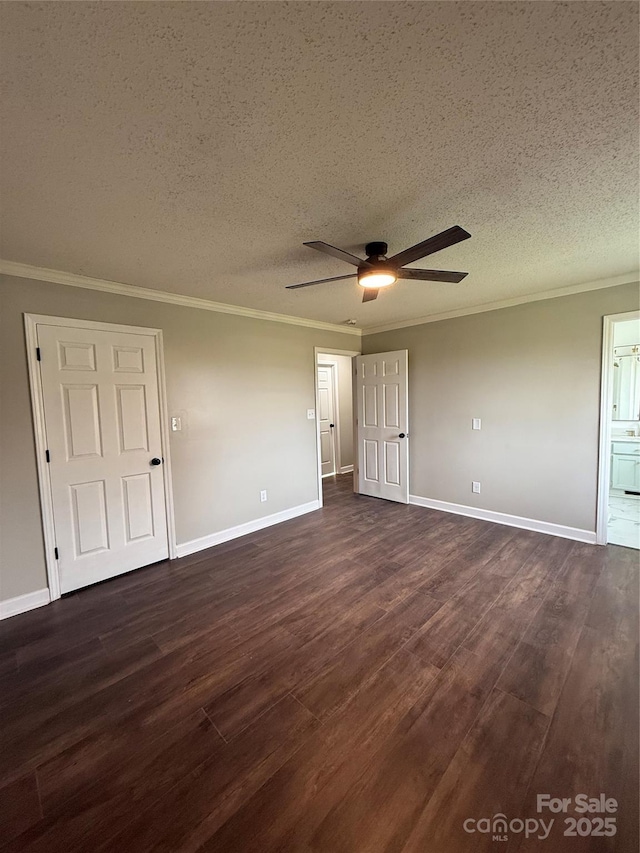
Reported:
(475, 487)
(311, 414)
(476, 423)
(263, 495)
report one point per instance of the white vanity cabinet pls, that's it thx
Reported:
(625, 465)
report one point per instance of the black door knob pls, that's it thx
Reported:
(332, 425)
(402, 435)
(156, 461)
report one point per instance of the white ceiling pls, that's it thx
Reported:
(193, 147)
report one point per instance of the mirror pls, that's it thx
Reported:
(626, 384)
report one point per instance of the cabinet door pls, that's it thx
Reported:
(625, 472)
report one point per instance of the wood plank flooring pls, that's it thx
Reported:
(361, 679)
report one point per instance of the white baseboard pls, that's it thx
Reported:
(561, 530)
(346, 469)
(22, 603)
(194, 545)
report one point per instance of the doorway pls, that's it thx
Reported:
(102, 448)
(334, 420)
(371, 397)
(619, 475)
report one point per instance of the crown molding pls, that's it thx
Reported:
(21, 270)
(629, 278)
(15, 268)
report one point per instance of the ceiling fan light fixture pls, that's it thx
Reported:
(378, 270)
(376, 278)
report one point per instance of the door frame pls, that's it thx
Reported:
(606, 400)
(40, 433)
(317, 351)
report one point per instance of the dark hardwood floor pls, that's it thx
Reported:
(363, 678)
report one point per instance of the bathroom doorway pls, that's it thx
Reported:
(619, 476)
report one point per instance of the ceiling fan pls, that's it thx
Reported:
(379, 271)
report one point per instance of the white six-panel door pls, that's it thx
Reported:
(382, 422)
(102, 418)
(326, 418)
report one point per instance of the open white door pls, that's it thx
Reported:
(382, 425)
(101, 407)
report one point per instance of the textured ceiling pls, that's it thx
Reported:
(193, 147)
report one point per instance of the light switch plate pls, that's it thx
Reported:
(476, 423)
(176, 424)
(263, 495)
(311, 414)
(475, 487)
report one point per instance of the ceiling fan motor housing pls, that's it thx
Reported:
(376, 249)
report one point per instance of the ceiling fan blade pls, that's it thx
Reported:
(336, 253)
(433, 275)
(321, 281)
(428, 247)
(370, 293)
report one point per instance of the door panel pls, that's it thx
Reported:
(391, 366)
(89, 517)
(371, 461)
(76, 356)
(382, 416)
(391, 406)
(81, 422)
(138, 504)
(128, 360)
(101, 404)
(370, 413)
(132, 418)
(392, 463)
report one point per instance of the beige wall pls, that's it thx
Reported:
(532, 373)
(242, 387)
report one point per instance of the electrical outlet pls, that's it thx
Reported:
(475, 487)
(311, 414)
(263, 495)
(476, 423)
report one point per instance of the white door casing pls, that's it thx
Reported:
(102, 417)
(327, 417)
(382, 415)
